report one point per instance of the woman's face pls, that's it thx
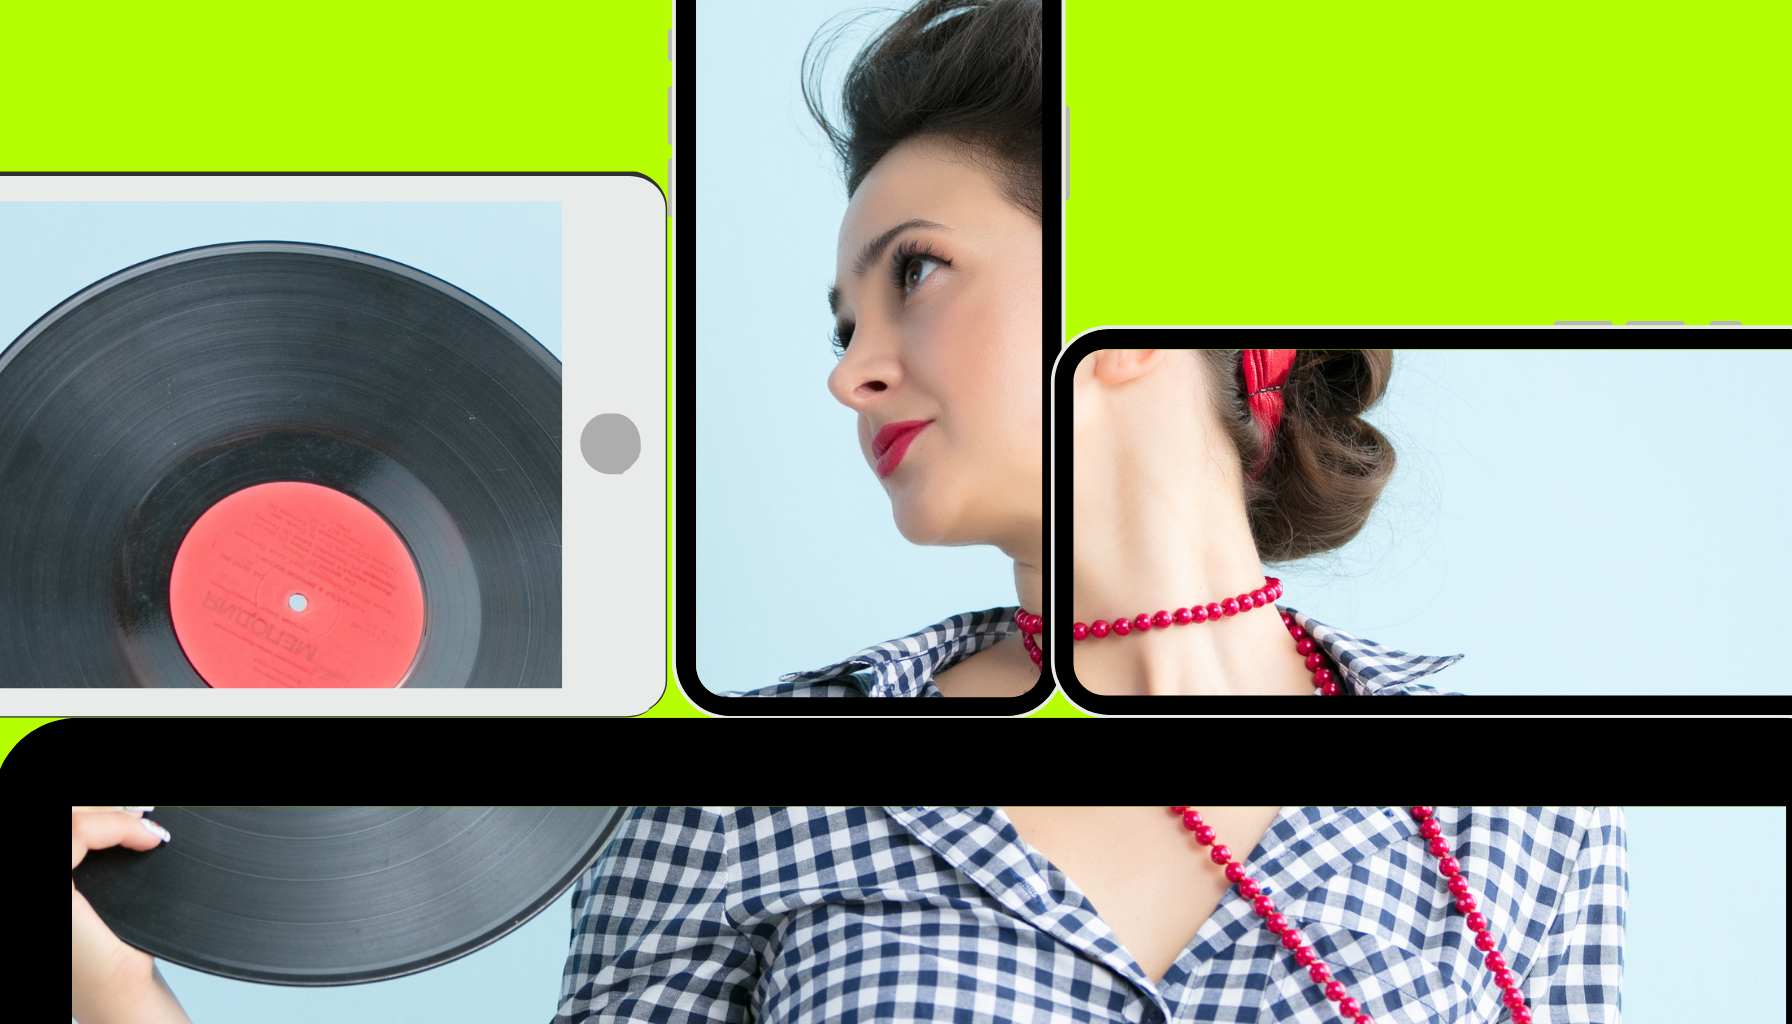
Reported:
(938, 301)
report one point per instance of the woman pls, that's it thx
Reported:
(938, 302)
(1103, 914)
(1193, 470)
(1445, 915)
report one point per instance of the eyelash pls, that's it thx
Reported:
(907, 251)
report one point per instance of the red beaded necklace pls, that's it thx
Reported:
(1325, 674)
(1348, 1008)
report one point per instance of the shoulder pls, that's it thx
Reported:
(1548, 858)
(1593, 835)
(1560, 825)
(677, 854)
(900, 667)
(650, 928)
(664, 836)
(662, 856)
(1562, 874)
(655, 831)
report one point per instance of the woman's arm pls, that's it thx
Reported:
(145, 999)
(1576, 980)
(651, 939)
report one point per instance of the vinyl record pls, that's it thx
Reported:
(274, 464)
(338, 895)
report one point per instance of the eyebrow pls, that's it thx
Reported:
(872, 250)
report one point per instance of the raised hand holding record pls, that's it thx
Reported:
(338, 895)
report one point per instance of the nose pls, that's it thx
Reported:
(865, 372)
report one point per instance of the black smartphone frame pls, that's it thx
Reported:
(1062, 583)
(686, 85)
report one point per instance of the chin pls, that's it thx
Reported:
(926, 522)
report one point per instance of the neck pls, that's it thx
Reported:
(1024, 544)
(1004, 669)
(1150, 535)
(1029, 584)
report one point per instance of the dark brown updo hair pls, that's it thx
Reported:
(1327, 465)
(968, 70)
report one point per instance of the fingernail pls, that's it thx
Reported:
(140, 810)
(156, 830)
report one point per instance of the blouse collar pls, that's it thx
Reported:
(1372, 669)
(1302, 848)
(907, 665)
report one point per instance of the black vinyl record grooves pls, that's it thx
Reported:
(390, 449)
(338, 895)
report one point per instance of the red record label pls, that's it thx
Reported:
(296, 585)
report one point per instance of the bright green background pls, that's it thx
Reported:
(1293, 164)
(1403, 163)
(1407, 163)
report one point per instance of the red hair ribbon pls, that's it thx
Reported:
(1265, 371)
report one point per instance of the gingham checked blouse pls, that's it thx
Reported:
(808, 915)
(906, 666)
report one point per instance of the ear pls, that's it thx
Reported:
(1114, 366)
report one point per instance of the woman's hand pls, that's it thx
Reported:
(113, 981)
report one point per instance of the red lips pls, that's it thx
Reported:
(892, 442)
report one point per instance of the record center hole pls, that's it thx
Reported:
(297, 602)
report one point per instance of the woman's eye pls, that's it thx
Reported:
(916, 270)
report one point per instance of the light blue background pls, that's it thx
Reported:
(1706, 942)
(1575, 522)
(1707, 924)
(506, 254)
(799, 563)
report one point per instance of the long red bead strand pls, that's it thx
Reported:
(1349, 1009)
